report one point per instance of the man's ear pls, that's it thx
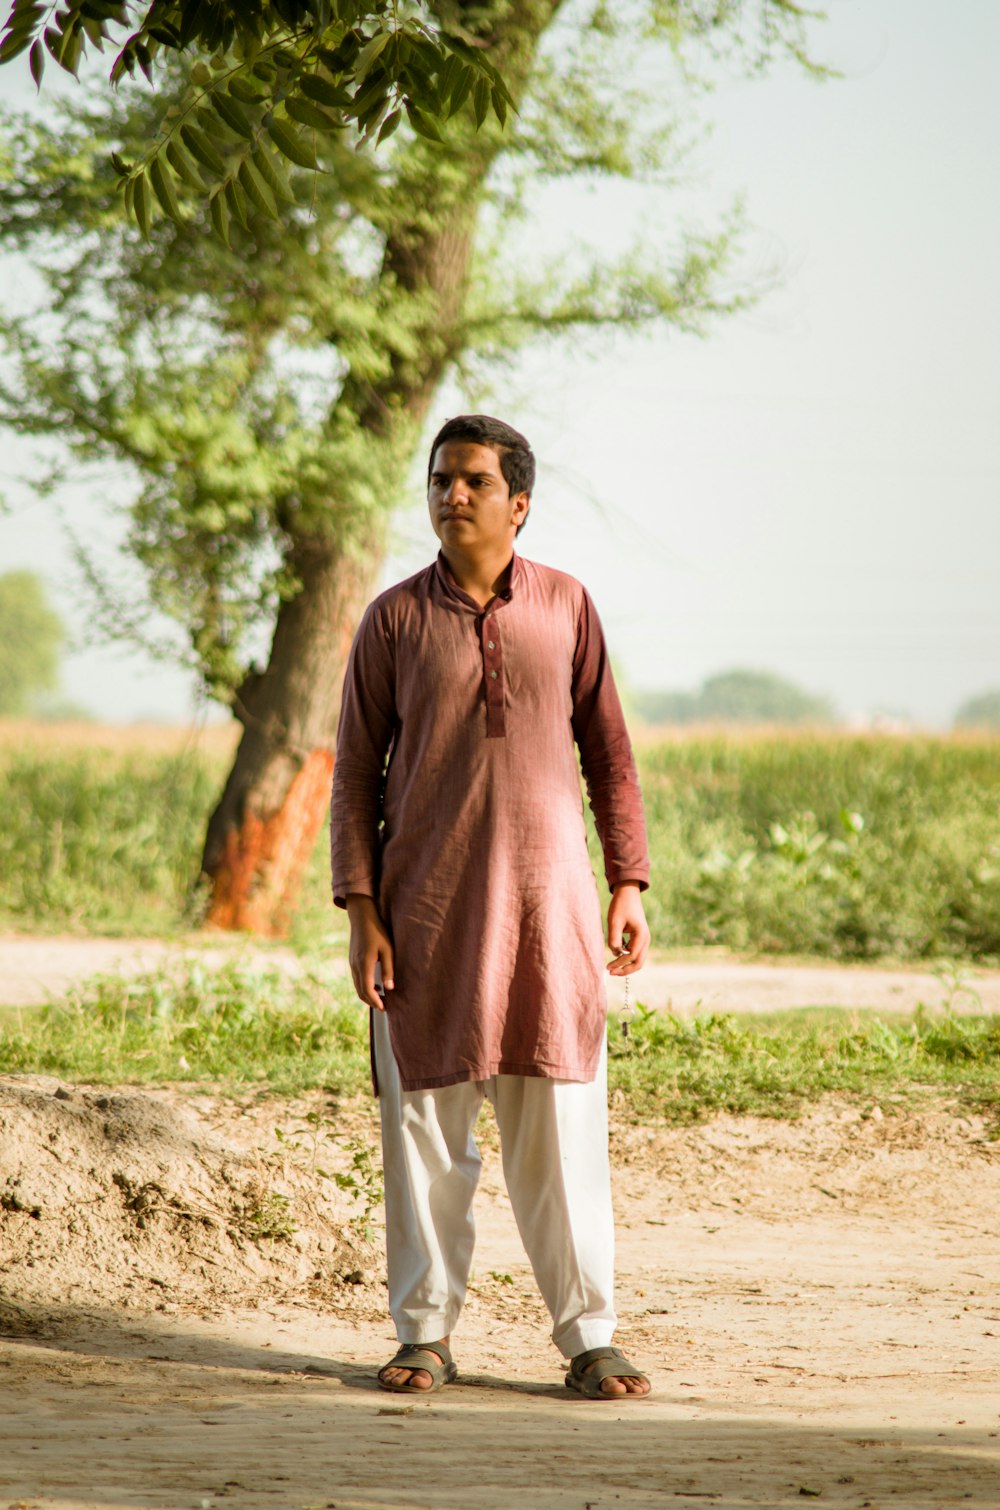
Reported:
(520, 506)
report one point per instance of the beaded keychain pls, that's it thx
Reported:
(625, 1017)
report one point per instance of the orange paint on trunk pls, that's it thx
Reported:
(257, 883)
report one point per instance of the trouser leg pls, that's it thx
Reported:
(431, 1169)
(554, 1136)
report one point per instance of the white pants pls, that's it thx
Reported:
(554, 1138)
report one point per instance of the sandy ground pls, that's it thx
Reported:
(818, 1304)
(33, 969)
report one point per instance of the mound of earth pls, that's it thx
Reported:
(132, 1199)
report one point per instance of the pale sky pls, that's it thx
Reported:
(815, 488)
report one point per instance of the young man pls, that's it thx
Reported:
(460, 853)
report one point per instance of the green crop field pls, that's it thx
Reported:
(828, 845)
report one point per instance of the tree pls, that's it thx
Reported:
(737, 697)
(982, 712)
(31, 638)
(260, 74)
(270, 397)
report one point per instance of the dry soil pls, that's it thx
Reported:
(190, 1319)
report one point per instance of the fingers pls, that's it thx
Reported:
(628, 934)
(385, 960)
(374, 962)
(363, 975)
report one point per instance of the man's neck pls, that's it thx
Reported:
(481, 578)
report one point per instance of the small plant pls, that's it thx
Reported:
(363, 1180)
(366, 1186)
(267, 1213)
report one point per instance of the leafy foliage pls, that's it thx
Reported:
(266, 78)
(265, 395)
(31, 638)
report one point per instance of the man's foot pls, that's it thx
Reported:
(404, 1374)
(604, 1373)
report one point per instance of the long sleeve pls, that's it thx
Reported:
(364, 736)
(606, 756)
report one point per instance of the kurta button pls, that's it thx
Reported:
(491, 644)
(493, 676)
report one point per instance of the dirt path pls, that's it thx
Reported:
(33, 969)
(816, 1301)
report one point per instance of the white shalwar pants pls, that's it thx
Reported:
(554, 1138)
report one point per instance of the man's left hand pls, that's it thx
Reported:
(628, 931)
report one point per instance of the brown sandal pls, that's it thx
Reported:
(608, 1363)
(421, 1355)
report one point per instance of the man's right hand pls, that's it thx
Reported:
(370, 946)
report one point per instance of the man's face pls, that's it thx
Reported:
(469, 500)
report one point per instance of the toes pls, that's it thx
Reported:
(626, 1386)
(418, 1378)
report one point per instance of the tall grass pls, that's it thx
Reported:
(845, 847)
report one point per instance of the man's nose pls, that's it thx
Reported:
(456, 491)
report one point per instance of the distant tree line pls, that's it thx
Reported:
(753, 697)
(981, 712)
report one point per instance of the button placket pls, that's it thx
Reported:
(492, 654)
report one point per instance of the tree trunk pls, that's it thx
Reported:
(262, 833)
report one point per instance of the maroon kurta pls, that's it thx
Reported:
(457, 735)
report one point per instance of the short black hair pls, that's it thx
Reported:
(517, 460)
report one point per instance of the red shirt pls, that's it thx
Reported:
(457, 806)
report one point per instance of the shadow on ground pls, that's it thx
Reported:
(161, 1413)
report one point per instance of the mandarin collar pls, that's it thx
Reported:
(459, 597)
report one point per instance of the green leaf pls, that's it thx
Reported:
(237, 202)
(143, 204)
(95, 31)
(499, 105)
(201, 73)
(182, 164)
(202, 150)
(257, 190)
(309, 114)
(481, 101)
(462, 88)
(121, 167)
(72, 48)
(233, 114)
(323, 92)
(273, 174)
(369, 53)
(422, 124)
(163, 187)
(389, 126)
(220, 215)
(14, 44)
(144, 59)
(241, 89)
(36, 62)
(290, 144)
(447, 79)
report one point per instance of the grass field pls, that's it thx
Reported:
(830, 845)
(237, 1028)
